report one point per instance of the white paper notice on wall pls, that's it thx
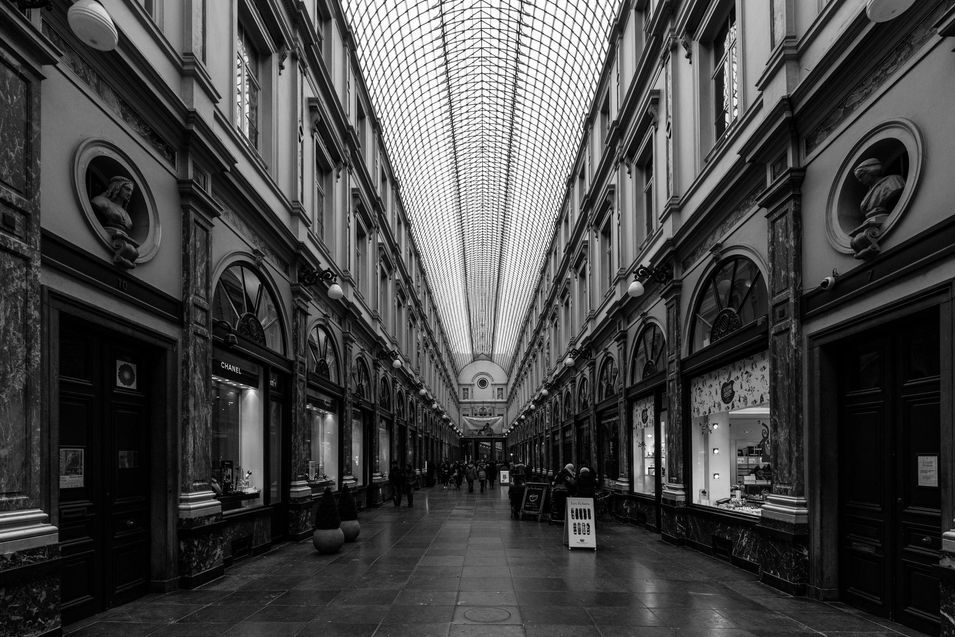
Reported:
(928, 471)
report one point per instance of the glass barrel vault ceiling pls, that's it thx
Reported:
(481, 104)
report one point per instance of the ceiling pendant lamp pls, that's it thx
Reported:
(885, 10)
(92, 24)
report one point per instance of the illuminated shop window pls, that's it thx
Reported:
(238, 449)
(729, 436)
(323, 444)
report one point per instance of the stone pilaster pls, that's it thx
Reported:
(299, 519)
(624, 446)
(200, 544)
(673, 498)
(30, 593)
(348, 406)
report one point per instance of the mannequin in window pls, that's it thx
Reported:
(110, 207)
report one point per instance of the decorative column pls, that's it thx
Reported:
(623, 423)
(374, 497)
(300, 493)
(673, 499)
(784, 560)
(200, 541)
(30, 593)
(349, 404)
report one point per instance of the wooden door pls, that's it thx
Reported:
(103, 469)
(889, 452)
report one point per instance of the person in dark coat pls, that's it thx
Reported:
(565, 485)
(410, 480)
(586, 484)
(396, 478)
(515, 493)
(491, 473)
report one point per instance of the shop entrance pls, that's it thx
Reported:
(104, 467)
(889, 497)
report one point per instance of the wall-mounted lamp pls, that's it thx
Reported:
(310, 276)
(885, 10)
(647, 272)
(434, 405)
(91, 24)
(571, 359)
(545, 393)
(422, 391)
(395, 358)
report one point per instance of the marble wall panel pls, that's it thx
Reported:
(634, 510)
(14, 127)
(31, 607)
(200, 552)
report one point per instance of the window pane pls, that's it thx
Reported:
(238, 442)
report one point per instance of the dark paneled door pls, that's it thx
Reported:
(889, 455)
(103, 469)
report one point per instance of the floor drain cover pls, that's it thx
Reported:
(487, 615)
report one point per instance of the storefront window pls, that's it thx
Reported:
(238, 443)
(323, 445)
(730, 436)
(357, 451)
(384, 447)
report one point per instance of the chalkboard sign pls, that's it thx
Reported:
(535, 494)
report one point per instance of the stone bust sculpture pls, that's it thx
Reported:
(110, 207)
(882, 195)
(883, 191)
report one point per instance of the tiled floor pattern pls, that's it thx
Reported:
(456, 565)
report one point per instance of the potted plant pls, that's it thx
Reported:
(327, 537)
(348, 512)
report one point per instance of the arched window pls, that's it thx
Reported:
(568, 405)
(583, 395)
(733, 297)
(400, 404)
(384, 393)
(243, 302)
(322, 357)
(607, 379)
(362, 379)
(649, 356)
(556, 412)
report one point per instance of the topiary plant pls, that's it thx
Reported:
(327, 537)
(349, 514)
(346, 505)
(326, 515)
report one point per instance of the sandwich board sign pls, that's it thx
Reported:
(579, 524)
(535, 493)
(505, 477)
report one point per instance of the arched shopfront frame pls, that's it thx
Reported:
(322, 358)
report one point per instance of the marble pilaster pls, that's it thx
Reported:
(30, 594)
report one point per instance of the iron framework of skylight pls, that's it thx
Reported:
(481, 103)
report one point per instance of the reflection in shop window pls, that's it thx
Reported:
(323, 446)
(384, 447)
(647, 461)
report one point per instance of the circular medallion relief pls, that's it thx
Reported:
(116, 202)
(482, 383)
(873, 188)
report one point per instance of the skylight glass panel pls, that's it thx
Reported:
(481, 103)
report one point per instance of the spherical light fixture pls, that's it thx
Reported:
(635, 289)
(434, 405)
(396, 364)
(885, 10)
(335, 292)
(545, 393)
(422, 392)
(92, 24)
(569, 361)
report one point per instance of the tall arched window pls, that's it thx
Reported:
(607, 379)
(568, 404)
(362, 379)
(400, 404)
(583, 395)
(649, 355)
(322, 357)
(384, 393)
(732, 297)
(242, 301)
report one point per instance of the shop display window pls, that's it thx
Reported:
(323, 446)
(731, 454)
(384, 447)
(238, 441)
(645, 461)
(357, 451)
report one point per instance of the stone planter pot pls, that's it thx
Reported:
(328, 541)
(351, 529)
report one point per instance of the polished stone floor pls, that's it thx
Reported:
(456, 565)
